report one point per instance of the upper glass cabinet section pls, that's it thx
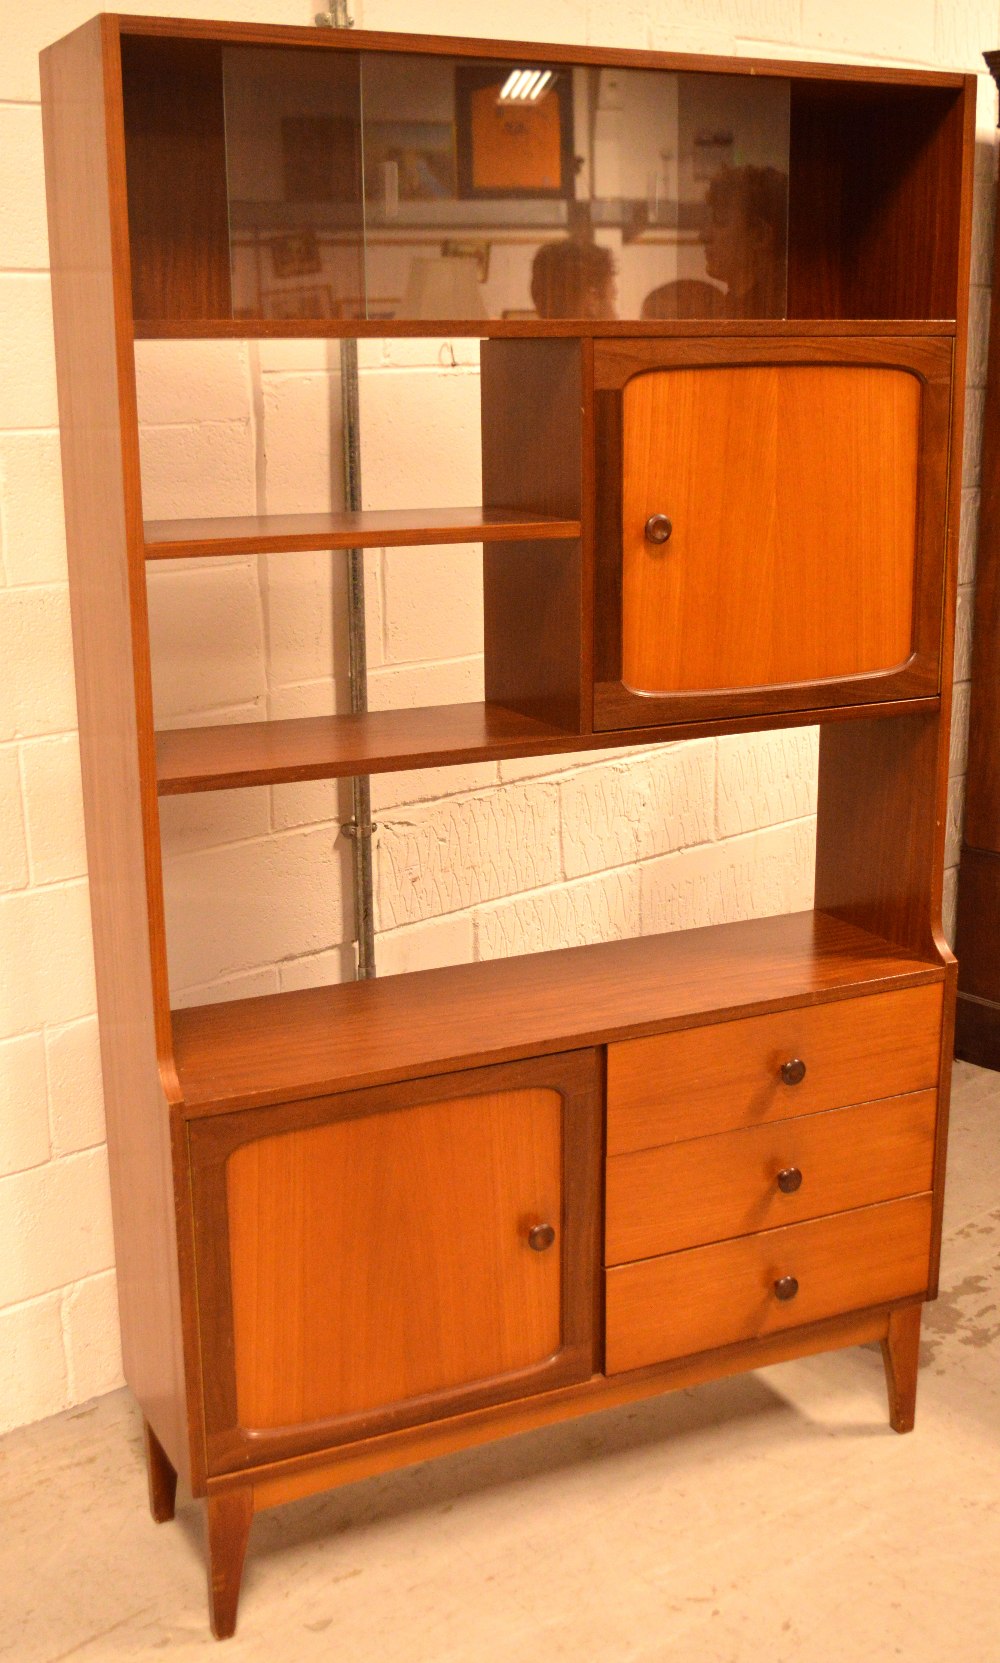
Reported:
(334, 187)
(404, 187)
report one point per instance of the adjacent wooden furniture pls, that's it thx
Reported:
(977, 1020)
(362, 1225)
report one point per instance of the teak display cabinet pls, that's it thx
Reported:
(362, 1225)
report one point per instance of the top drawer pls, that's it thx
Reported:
(728, 1075)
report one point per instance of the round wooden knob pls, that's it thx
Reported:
(658, 528)
(541, 1236)
(786, 1287)
(793, 1072)
(789, 1180)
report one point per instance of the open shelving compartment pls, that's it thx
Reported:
(854, 210)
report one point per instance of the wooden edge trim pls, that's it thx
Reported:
(290, 1480)
(189, 329)
(928, 357)
(376, 40)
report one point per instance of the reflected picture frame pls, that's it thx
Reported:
(539, 162)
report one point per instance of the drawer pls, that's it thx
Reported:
(688, 1302)
(728, 1075)
(703, 1190)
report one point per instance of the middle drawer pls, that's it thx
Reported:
(735, 1183)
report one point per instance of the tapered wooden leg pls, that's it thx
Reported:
(162, 1478)
(228, 1518)
(900, 1353)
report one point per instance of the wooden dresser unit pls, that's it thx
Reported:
(362, 1225)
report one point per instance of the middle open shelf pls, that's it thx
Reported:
(301, 748)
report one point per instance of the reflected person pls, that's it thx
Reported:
(746, 240)
(573, 279)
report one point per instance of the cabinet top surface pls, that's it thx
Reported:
(319, 1040)
(371, 40)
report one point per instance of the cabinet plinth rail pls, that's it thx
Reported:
(372, 528)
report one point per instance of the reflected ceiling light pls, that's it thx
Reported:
(525, 86)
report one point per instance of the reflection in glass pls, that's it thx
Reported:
(407, 186)
(293, 166)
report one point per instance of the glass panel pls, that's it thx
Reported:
(293, 166)
(399, 186)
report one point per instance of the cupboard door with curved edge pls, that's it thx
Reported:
(772, 532)
(385, 1257)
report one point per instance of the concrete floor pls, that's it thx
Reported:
(772, 1518)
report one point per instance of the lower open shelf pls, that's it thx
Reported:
(304, 1043)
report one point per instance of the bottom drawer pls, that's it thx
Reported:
(705, 1297)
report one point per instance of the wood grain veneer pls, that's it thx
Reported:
(710, 1188)
(178, 206)
(873, 176)
(161, 1477)
(322, 1039)
(749, 621)
(880, 197)
(977, 1032)
(688, 1302)
(369, 40)
(431, 1206)
(289, 1480)
(383, 741)
(372, 528)
(533, 415)
(892, 780)
(228, 1518)
(399, 1217)
(792, 490)
(532, 329)
(901, 1356)
(683, 1085)
(84, 161)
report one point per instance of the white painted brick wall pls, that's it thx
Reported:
(471, 862)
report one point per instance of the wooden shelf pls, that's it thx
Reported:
(335, 747)
(431, 736)
(377, 528)
(306, 1043)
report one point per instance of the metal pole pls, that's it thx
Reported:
(360, 827)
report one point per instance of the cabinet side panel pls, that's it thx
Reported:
(883, 787)
(532, 415)
(978, 943)
(99, 465)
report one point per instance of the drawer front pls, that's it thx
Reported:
(705, 1297)
(707, 1189)
(729, 1075)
